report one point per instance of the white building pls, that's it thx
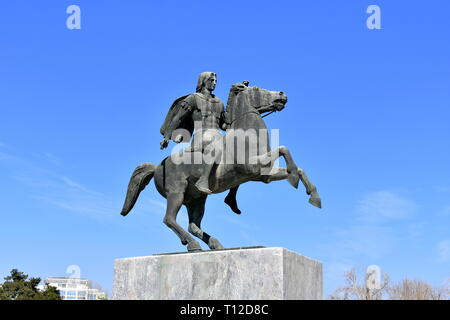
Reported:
(75, 289)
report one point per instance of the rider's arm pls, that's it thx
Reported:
(224, 122)
(186, 107)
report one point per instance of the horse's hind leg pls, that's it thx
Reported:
(174, 202)
(196, 210)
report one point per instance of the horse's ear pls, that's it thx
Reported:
(238, 87)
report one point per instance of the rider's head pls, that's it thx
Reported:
(206, 80)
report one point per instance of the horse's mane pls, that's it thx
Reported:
(234, 91)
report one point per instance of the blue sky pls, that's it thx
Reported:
(367, 119)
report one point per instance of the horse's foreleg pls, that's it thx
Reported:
(267, 160)
(276, 174)
(309, 186)
(291, 167)
(174, 202)
(311, 189)
(230, 200)
(282, 174)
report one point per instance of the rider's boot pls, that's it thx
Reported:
(202, 183)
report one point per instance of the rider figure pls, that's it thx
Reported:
(203, 112)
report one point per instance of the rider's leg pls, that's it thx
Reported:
(212, 154)
(202, 183)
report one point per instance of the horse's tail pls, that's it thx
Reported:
(139, 180)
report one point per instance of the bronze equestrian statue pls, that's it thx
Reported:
(214, 163)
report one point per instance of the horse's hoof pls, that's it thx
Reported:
(315, 201)
(231, 201)
(194, 247)
(293, 179)
(214, 244)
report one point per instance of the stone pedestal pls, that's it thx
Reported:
(234, 274)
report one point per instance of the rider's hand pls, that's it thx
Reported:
(164, 143)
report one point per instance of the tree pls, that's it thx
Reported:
(404, 290)
(356, 290)
(17, 286)
(418, 290)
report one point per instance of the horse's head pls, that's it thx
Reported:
(244, 99)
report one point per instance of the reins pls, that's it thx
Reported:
(256, 112)
(269, 113)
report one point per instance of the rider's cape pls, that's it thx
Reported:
(181, 108)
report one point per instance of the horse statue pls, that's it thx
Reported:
(253, 161)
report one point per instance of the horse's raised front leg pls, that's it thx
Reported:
(311, 189)
(282, 174)
(267, 160)
(174, 202)
(196, 210)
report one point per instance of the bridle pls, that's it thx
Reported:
(256, 112)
